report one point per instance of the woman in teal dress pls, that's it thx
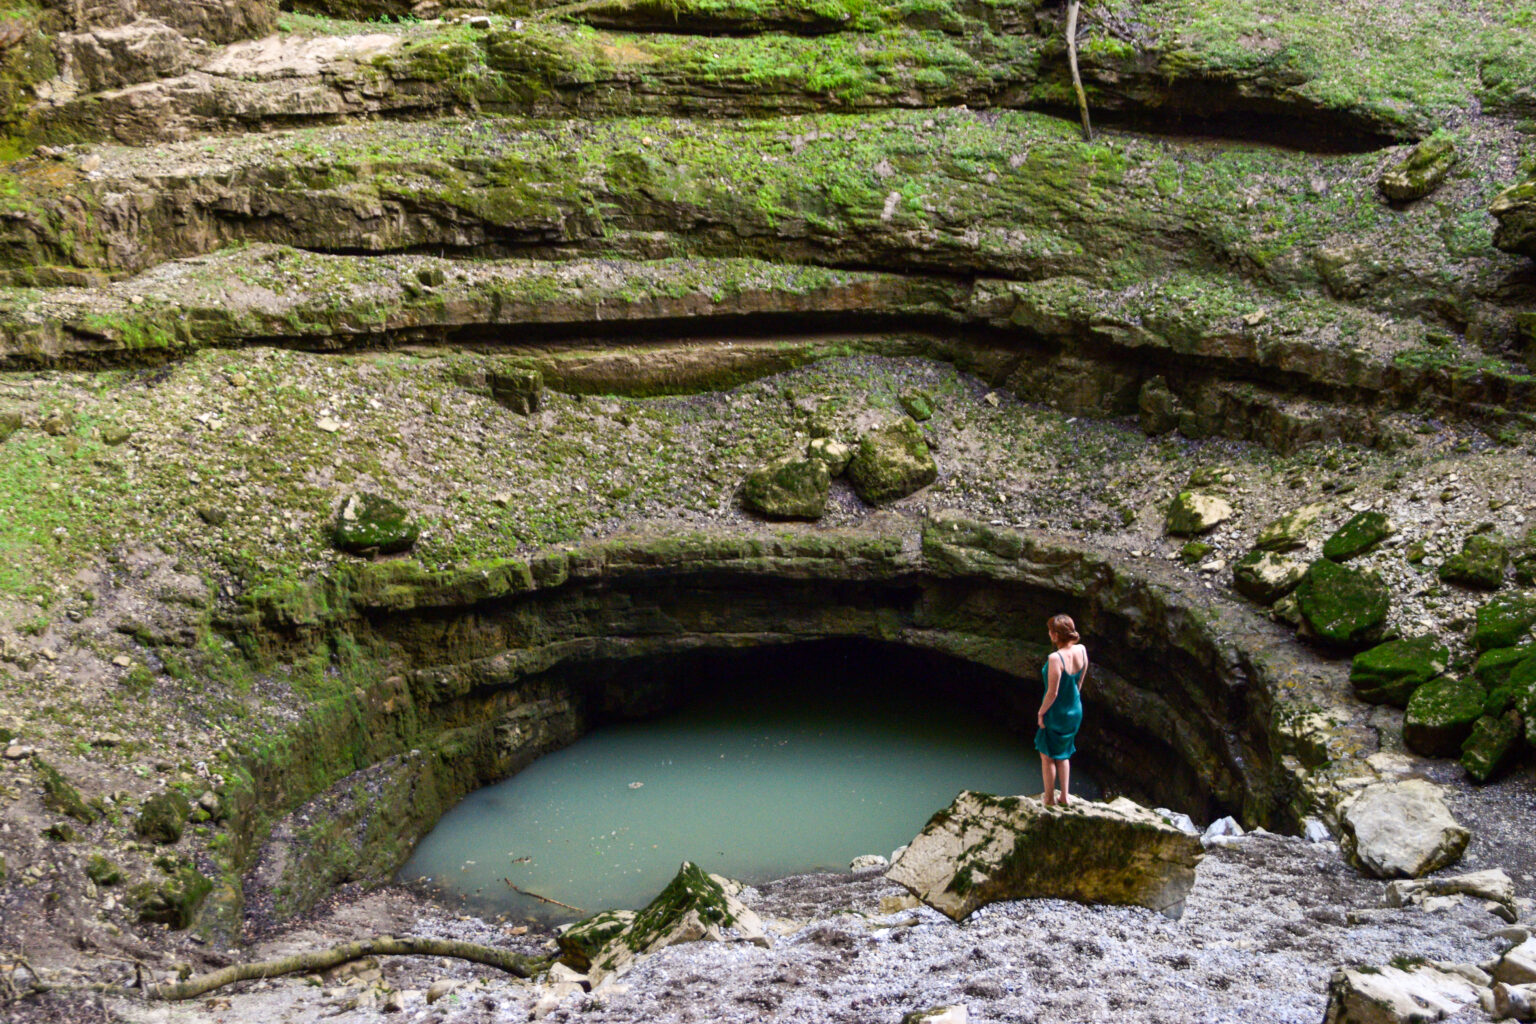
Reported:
(1061, 712)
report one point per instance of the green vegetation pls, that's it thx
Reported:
(1391, 672)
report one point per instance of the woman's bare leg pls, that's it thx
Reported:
(1064, 772)
(1048, 774)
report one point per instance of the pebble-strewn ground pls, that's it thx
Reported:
(1267, 923)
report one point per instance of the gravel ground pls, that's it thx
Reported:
(1266, 924)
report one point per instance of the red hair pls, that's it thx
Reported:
(1062, 628)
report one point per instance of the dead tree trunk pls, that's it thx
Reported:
(1077, 78)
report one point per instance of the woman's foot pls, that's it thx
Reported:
(1045, 798)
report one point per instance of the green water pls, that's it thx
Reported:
(753, 788)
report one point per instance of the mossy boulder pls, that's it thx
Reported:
(1359, 534)
(918, 404)
(1193, 513)
(1291, 530)
(1266, 576)
(1515, 210)
(1342, 606)
(518, 388)
(163, 817)
(1504, 621)
(1158, 407)
(103, 871)
(1481, 563)
(372, 524)
(1390, 673)
(1492, 668)
(60, 796)
(1421, 171)
(891, 462)
(1441, 714)
(10, 422)
(583, 940)
(1493, 746)
(174, 901)
(788, 488)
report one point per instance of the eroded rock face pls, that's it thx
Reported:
(985, 848)
(1401, 830)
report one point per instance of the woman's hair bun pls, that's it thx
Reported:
(1061, 627)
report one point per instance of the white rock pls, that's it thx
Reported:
(1393, 996)
(559, 974)
(1222, 828)
(1401, 829)
(1314, 831)
(1492, 884)
(328, 424)
(896, 853)
(1182, 822)
(868, 862)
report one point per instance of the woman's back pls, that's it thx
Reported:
(1072, 660)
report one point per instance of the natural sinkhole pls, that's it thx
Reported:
(783, 762)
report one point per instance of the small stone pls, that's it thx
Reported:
(918, 404)
(122, 661)
(114, 434)
(1314, 831)
(1266, 576)
(834, 453)
(868, 862)
(480, 21)
(1421, 171)
(368, 523)
(938, 1015)
(990, 398)
(440, 988)
(328, 424)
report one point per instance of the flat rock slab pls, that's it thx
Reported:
(984, 848)
(1387, 995)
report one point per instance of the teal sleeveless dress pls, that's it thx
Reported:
(1057, 739)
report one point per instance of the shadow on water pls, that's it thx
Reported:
(755, 764)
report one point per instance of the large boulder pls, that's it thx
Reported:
(1440, 716)
(1421, 171)
(1266, 576)
(891, 462)
(1401, 830)
(983, 848)
(1481, 563)
(1490, 884)
(112, 57)
(1492, 668)
(1393, 995)
(1194, 513)
(1359, 534)
(694, 906)
(1504, 622)
(370, 524)
(1389, 673)
(788, 488)
(1342, 606)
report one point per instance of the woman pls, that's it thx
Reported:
(1062, 711)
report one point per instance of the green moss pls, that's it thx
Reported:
(60, 796)
(1481, 563)
(174, 901)
(891, 462)
(103, 871)
(1391, 672)
(370, 523)
(789, 488)
(1440, 716)
(691, 890)
(1493, 745)
(1360, 534)
(1504, 621)
(1342, 606)
(163, 817)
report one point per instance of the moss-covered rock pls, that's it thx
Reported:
(61, 832)
(788, 488)
(1494, 744)
(1266, 576)
(372, 524)
(1504, 621)
(1515, 210)
(1360, 534)
(103, 871)
(174, 901)
(1441, 714)
(1492, 668)
(583, 940)
(60, 796)
(1342, 606)
(1194, 513)
(1290, 530)
(1158, 406)
(163, 817)
(918, 404)
(1481, 563)
(517, 388)
(1390, 673)
(1421, 171)
(891, 462)
(831, 451)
